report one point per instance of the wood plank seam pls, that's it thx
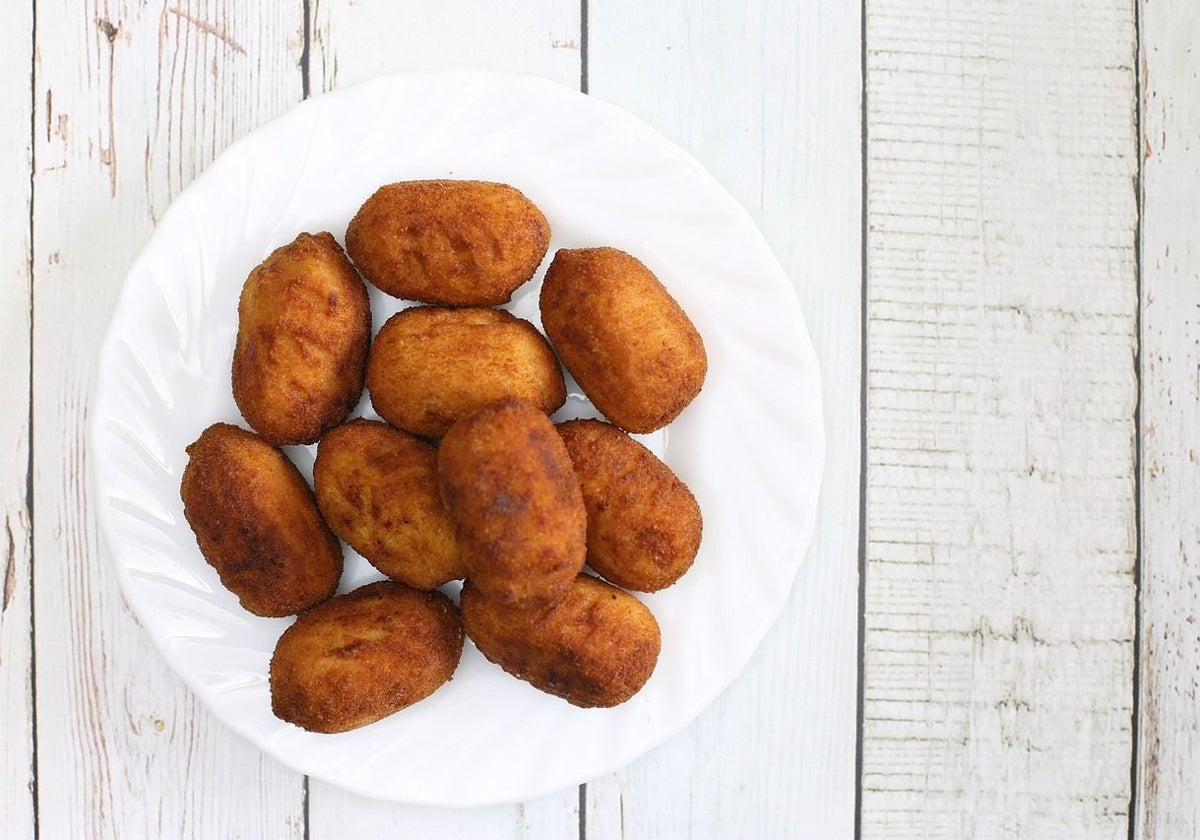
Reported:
(1139, 81)
(583, 62)
(29, 511)
(306, 62)
(1168, 736)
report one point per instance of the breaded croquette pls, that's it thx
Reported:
(364, 655)
(596, 647)
(454, 243)
(626, 341)
(257, 523)
(432, 365)
(644, 523)
(507, 482)
(377, 489)
(304, 326)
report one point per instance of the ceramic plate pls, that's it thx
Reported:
(750, 446)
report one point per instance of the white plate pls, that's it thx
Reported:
(750, 446)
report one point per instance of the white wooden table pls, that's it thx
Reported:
(990, 211)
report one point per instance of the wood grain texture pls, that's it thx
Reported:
(132, 100)
(766, 96)
(17, 807)
(1169, 709)
(1001, 341)
(354, 40)
(1001, 513)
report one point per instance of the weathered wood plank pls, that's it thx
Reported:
(1169, 708)
(16, 621)
(353, 40)
(132, 100)
(1001, 531)
(766, 95)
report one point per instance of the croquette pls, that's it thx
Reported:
(432, 365)
(644, 524)
(597, 647)
(454, 243)
(628, 343)
(377, 489)
(507, 482)
(304, 327)
(257, 523)
(362, 656)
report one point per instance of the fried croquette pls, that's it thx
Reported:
(362, 656)
(622, 336)
(643, 522)
(431, 365)
(454, 243)
(377, 489)
(507, 482)
(257, 523)
(597, 647)
(304, 326)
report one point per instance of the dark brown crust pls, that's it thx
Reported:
(257, 523)
(644, 524)
(432, 365)
(304, 328)
(454, 243)
(596, 647)
(507, 482)
(622, 336)
(362, 656)
(377, 489)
